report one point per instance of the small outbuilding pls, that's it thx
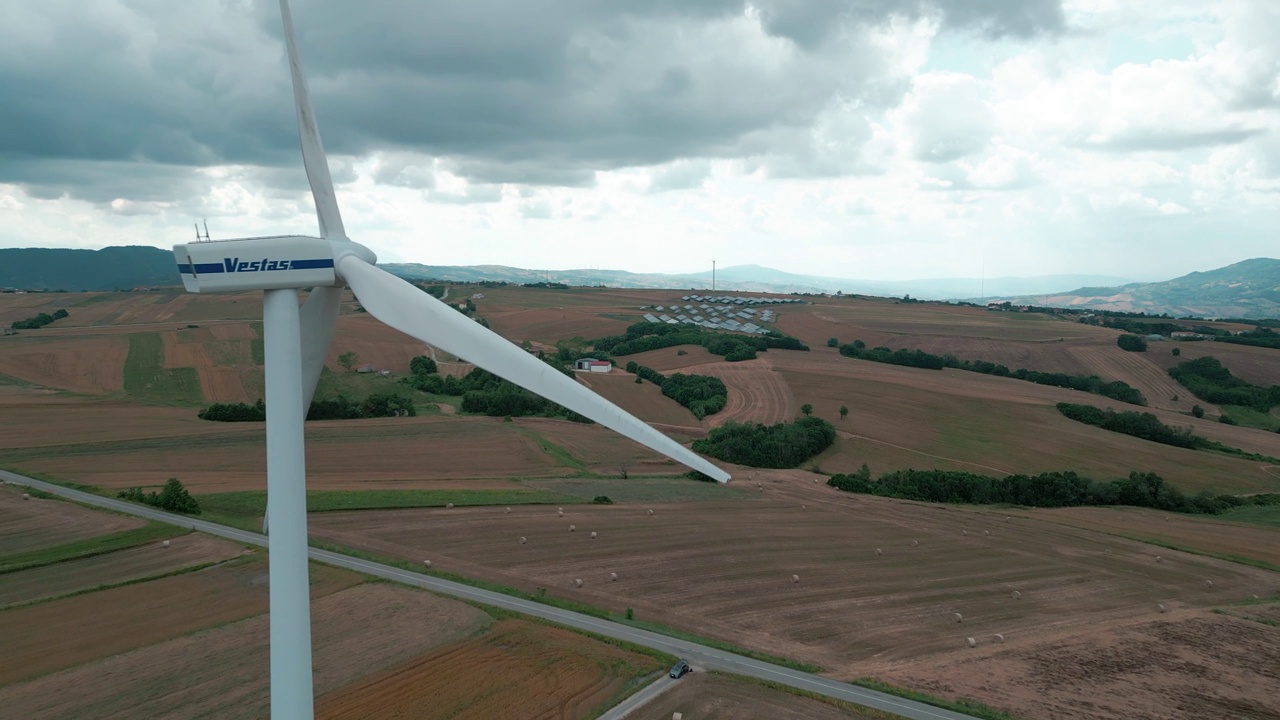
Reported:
(593, 365)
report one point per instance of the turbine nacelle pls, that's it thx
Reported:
(264, 263)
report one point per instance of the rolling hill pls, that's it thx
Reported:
(1247, 289)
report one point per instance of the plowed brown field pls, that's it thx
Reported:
(64, 633)
(223, 672)
(517, 669)
(116, 567)
(757, 393)
(724, 568)
(645, 401)
(88, 365)
(551, 324)
(704, 696)
(27, 525)
(1187, 665)
(1260, 366)
(1137, 369)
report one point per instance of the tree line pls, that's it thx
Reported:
(38, 321)
(784, 445)
(703, 394)
(338, 408)
(1140, 425)
(1116, 389)
(1208, 379)
(645, 336)
(1050, 489)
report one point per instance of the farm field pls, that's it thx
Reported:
(108, 397)
(1185, 664)
(61, 634)
(518, 668)
(724, 569)
(709, 696)
(133, 563)
(27, 525)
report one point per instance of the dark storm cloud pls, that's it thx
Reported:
(502, 90)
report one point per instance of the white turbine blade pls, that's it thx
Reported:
(312, 149)
(415, 313)
(319, 317)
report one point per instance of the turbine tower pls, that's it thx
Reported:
(296, 342)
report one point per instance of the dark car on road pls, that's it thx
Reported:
(681, 668)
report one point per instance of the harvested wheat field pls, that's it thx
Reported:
(645, 400)
(1185, 665)
(757, 393)
(551, 324)
(223, 671)
(37, 523)
(516, 669)
(1208, 534)
(724, 568)
(133, 563)
(599, 448)
(62, 634)
(711, 696)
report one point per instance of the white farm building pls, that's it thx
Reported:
(593, 365)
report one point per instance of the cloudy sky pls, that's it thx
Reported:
(886, 139)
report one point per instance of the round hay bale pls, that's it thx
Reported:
(1107, 551)
(1208, 583)
(26, 496)
(972, 642)
(986, 532)
(650, 511)
(815, 481)
(1160, 608)
(448, 506)
(593, 534)
(508, 511)
(573, 528)
(1015, 594)
(804, 507)
(1006, 518)
(677, 716)
(613, 577)
(879, 551)
(1158, 558)
(964, 532)
(998, 637)
(958, 617)
(164, 544)
(577, 583)
(915, 543)
(795, 578)
(426, 563)
(523, 540)
(560, 512)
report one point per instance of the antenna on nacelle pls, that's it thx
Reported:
(204, 237)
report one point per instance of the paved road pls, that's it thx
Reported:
(640, 699)
(699, 655)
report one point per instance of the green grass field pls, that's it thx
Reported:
(146, 377)
(1268, 515)
(89, 547)
(1248, 417)
(245, 509)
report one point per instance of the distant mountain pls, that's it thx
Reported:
(1248, 289)
(111, 268)
(755, 278)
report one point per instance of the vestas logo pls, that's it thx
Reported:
(232, 265)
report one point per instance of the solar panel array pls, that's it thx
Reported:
(724, 312)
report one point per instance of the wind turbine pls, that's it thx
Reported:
(296, 342)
